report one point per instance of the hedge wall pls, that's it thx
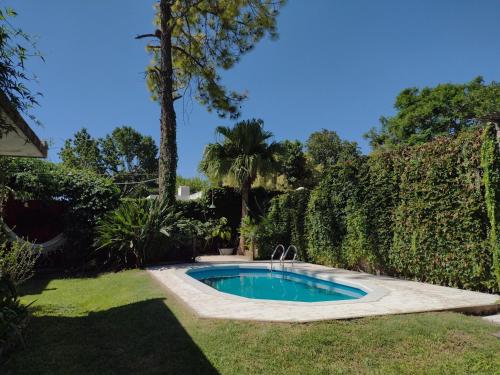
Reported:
(439, 220)
(333, 215)
(429, 212)
(284, 224)
(490, 163)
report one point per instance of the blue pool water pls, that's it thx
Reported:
(261, 283)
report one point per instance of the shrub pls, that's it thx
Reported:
(227, 201)
(13, 317)
(127, 233)
(379, 197)
(220, 232)
(17, 260)
(88, 197)
(249, 230)
(271, 233)
(193, 209)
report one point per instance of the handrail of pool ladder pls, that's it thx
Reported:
(283, 256)
(274, 253)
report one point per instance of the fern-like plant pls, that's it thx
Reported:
(127, 232)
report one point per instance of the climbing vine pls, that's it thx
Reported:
(490, 163)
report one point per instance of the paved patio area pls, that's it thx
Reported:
(386, 295)
(222, 259)
(492, 318)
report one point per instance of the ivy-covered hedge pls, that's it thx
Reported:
(284, 224)
(332, 203)
(429, 212)
(440, 220)
(490, 163)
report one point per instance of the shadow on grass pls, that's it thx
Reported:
(34, 287)
(139, 338)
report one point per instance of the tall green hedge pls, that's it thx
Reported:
(327, 212)
(440, 223)
(284, 224)
(490, 163)
(429, 212)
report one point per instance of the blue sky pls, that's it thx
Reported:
(337, 65)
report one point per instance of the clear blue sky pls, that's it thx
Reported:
(338, 65)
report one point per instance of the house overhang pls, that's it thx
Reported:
(20, 139)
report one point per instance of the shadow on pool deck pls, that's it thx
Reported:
(139, 338)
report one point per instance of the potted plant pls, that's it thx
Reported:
(222, 234)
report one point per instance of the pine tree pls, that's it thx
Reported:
(197, 38)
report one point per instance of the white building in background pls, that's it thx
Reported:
(183, 194)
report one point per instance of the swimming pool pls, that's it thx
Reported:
(261, 283)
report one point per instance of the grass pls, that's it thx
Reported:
(126, 323)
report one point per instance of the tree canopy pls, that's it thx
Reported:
(82, 152)
(447, 109)
(127, 150)
(244, 153)
(124, 151)
(325, 147)
(207, 36)
(293, 164)
(198, 39)
(15, 47)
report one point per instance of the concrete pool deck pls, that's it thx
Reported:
(386, 295)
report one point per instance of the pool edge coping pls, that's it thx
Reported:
(161, 274)
(373, 292)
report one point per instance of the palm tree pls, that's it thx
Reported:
(243, 154)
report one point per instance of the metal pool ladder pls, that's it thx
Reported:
(280, 246)
(283, 256)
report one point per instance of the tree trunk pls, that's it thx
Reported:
(168, 142)
(245, 191)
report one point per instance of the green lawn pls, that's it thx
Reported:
(126, 323)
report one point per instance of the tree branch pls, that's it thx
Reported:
(194, 59)
(157, 35)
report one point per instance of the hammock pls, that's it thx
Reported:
(45, 247)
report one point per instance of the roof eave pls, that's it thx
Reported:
(22, 129)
